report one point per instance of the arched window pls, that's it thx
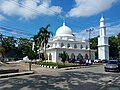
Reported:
(86, 46)
(50, 56)
(62, 44)
(81, 46)
(75, 46)
(68, 45)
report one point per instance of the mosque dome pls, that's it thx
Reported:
(64, 31)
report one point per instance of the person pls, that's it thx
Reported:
(87, 62)
(90, 62)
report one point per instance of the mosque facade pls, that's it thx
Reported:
(65, 40)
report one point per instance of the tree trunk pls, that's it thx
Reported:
(39, 53)
(45, 51)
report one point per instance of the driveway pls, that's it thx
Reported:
(92, 78)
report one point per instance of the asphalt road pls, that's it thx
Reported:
(92, 78)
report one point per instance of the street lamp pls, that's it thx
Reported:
(89, 33)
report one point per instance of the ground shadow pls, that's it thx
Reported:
(71, 80)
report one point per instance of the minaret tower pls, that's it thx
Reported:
(103, 46)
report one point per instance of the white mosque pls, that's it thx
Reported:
(64, 40)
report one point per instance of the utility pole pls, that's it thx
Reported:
(89, 34)
(119, 52)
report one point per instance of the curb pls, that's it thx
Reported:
(51, 67)
(77, 67)
(16, 74)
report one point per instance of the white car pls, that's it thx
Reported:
(97, 61)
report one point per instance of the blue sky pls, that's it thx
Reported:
(29, 15)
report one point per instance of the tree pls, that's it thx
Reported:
(2, 49)
(118, 37)
(32, 55)
(7, 44)
(42, 37)
(93, 45)
(63, 56)
(2, 52)
(24, 46)
(45, 35)
(113, 42)
(37, 40)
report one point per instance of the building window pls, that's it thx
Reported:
(81, 46)
(86, 46)
(62, 44)
(50, 56)
(75, 46)
(68, 45)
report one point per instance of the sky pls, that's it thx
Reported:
(24, 18)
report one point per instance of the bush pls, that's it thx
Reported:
(59, 65)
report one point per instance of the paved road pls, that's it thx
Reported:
(92, 78)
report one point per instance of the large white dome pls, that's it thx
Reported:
(64, 31)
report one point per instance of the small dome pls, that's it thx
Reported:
(64, 31)
(83, 40)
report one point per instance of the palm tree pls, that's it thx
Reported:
(43, 35)
(37, 41)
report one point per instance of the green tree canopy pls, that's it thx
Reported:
(63, 56)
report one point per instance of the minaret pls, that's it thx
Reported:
(103, 46)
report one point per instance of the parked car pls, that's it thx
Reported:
(97, 61)
(80, 61)
(112, 65)
(104, 61)
(77, 61)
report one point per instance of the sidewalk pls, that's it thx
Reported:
(16, 74)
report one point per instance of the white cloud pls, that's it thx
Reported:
(90, 7)
(2, 17)
(28, 9)
(111, 30)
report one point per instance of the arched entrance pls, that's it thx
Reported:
(79, 56)
(86, 56)
(72, 58)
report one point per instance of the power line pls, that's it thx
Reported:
(14, 30)
(14, 37)
(89, 33)
(60, 16)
